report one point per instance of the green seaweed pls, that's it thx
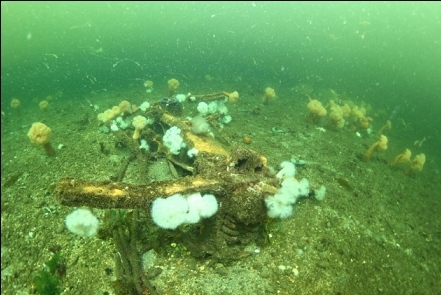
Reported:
(54, 262)
(119, 215)
(46, 283)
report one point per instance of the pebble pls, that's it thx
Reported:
(295, 272)
(281, 267)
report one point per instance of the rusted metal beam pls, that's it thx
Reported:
(77, 192)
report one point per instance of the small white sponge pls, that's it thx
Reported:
(82, 222)
(288, 170)
(279, 205)
(173, 211)
(205, 206)
(173, 140)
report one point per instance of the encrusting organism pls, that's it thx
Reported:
(40, 134)
(416, 165)
(268, 95)
(386, 126)
(232, 97)
(43, 105)
(316, 111)
(15, 103)
(336, 120)
(380, 146)
(139, 122)
(402, 158)
(125, 107)
(173, 84)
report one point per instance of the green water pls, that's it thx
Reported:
(387, 54)
(377, 230)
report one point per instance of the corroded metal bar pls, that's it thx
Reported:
(209, 96)
(203, 143)
(106, 194)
